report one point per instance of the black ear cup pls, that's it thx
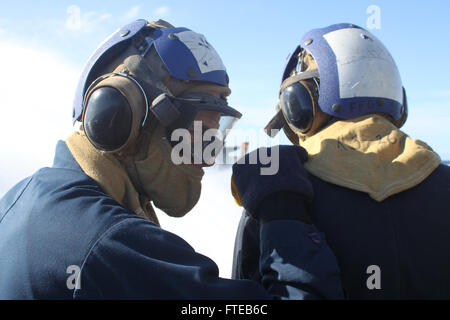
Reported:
(297, 106)
(115, 109)
(108, 119)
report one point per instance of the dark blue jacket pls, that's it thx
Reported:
(407, 236)
(58, 226)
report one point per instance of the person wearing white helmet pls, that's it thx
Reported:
(85, 228)
(380, 197)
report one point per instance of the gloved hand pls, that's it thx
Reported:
(283, 195)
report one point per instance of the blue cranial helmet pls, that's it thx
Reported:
(114, 107)
(355, 75)
(186, 55)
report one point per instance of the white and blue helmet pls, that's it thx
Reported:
(115, 106)
(356, 75)
(187, 55)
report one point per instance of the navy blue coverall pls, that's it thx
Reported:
(63, 237)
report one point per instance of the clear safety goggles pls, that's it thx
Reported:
(197, 125)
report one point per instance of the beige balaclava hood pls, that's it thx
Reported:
(369, 154)
(149, 175)
(175, 189)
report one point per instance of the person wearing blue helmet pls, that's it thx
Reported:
(381, 198)
(85, 228)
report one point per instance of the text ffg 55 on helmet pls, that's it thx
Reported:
(355, 75)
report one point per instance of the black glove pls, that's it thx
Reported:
(282, 195)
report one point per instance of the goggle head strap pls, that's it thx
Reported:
(181, 110)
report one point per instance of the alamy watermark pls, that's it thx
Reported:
(374, 280)
(74, 279)
(374, 20)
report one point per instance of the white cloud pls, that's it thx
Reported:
(86, 22)
(132, 13)
(37, 96)
(161, 11)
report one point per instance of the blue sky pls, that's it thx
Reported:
(44, 46)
